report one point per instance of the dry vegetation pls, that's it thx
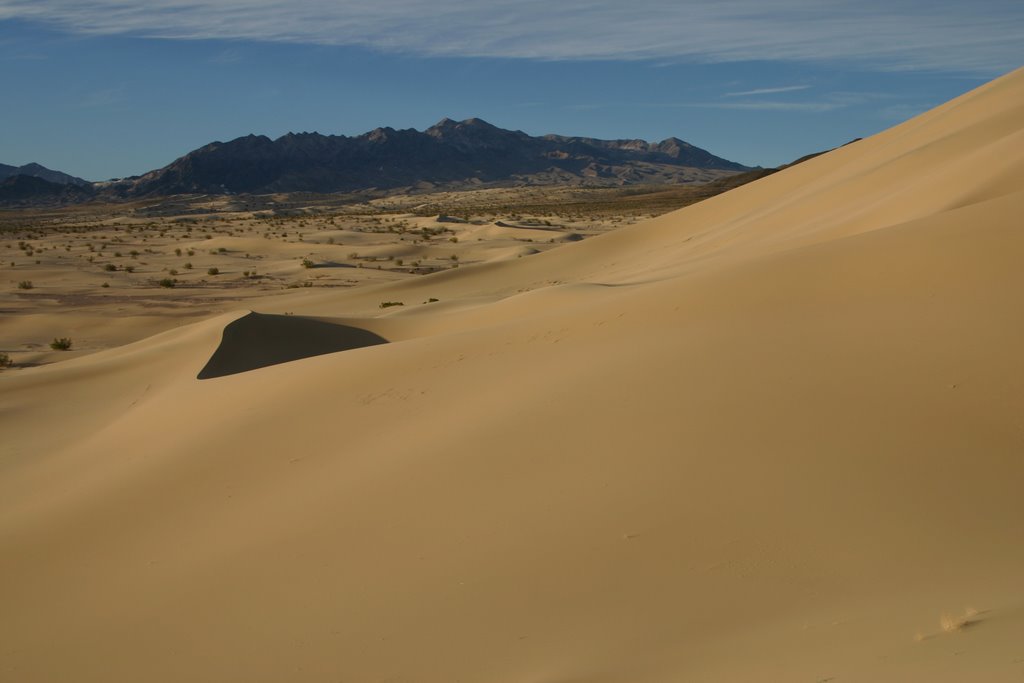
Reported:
(186, 257)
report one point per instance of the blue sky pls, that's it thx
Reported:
(109, 88)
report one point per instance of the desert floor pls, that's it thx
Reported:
(777, 435)
(103, 275)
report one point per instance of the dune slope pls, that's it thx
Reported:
(773, 436)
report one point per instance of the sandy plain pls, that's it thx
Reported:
(105, 274)
(773, 436)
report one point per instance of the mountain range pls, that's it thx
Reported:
(450, 154)
(38, 171)
(23, 189)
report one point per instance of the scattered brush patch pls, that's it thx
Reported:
(168, 282)
(389, 304)
(306, 263)
(110, 267)
(60, 344)
(5, 361)
(25, 284)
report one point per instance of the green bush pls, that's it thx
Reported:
(213, 271)
(25, 284)
(60, 344)
(388, 304)
(167, 282)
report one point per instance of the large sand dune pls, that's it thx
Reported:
(775, 436)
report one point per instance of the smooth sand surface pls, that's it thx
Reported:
(775, 436)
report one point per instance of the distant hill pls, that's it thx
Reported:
(449, 154)
(38, 171)
(27, 190)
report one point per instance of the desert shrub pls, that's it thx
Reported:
(306, 263)
(25, 284)
(188, 266)
(129, 269)
(60, 344)
(110, 267)
(389, 304)
(105, 285)
(172, 271)
(213, 271)
(167, 282)
(5, 360)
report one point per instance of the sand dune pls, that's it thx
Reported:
(773, 436)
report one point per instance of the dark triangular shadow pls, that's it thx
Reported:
(259, 339)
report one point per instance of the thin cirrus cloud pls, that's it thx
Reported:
(809, 107)
(981, 37)
(767, 91)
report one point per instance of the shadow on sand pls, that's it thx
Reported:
(258, 340)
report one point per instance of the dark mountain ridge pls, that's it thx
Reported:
(39, 171)
(448, 154)
(23, 190)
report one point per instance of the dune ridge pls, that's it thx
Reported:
(772, 436)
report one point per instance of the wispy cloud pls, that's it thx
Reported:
(767, 91)
(948, 35)
(824, 103)
(103, 98)
(766, 105)
(228, 56)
